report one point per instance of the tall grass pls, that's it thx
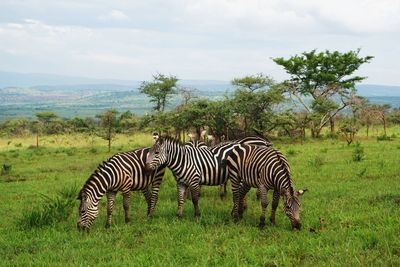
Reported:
(52, 210)
(358, 201)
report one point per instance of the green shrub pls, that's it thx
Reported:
(383, 137)
(317, 162)
(358, 153)
(6, 169)
(53, 210)
(291, 152)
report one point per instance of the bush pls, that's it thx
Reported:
(53, 210)
(6, 169)
(383, 137)
(358, 153)
(317, 162)
(291, 152)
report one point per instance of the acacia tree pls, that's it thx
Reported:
(351, 125)
(159, 90)
(381, 112)
(108, 122)
(254, 99)
(325, 77)
(43, 120)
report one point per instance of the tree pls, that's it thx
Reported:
(42, 123)
(187, 94)
(325, 77)
(254, 100)
(253, 83)
(159, 90)
(108, 122)
(381, 112)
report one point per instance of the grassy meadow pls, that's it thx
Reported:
(355, 195)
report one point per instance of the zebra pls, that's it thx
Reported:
(193, 164)
(249, 140)
(264, 168)
(122, 172)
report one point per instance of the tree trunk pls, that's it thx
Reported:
(384, 124)
(37, 139)
(332, 124)
(109, 139)
(367, 129)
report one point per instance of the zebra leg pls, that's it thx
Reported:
(235, 194)
(126, 198)
(147, 195)
(244, 189)
(258, 194)
(195, 190)
(275, 202)
(264, 203)
(154, 197)
(188, 193)
(222, 190)
(110, 206)
(181, 199)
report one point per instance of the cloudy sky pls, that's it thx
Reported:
(193, 39)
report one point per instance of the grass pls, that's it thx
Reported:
(359, 202)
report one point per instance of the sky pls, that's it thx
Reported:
(194, 39)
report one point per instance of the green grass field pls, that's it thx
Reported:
(358, 200)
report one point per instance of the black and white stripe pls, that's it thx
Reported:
(193, 164)
(122, 172)
(264, 168)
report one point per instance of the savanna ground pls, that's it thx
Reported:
(359, 202)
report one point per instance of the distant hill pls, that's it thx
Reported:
(378, 90)
(22, 95)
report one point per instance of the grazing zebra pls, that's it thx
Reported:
(193, 164)
(264, 168)
(249, 140)
(122, 172)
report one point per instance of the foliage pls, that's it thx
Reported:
(254, 101)
(325, 77)
(108, 122)
(358, 153)
(159, 90)
(53, 210)
(6, 169)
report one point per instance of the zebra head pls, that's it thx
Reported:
(157, 155)
(88, 210)
(292, 207)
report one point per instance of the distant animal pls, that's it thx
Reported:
(264, 168)
(122, 172)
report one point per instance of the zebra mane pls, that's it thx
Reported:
(171, 140)
(97, 172)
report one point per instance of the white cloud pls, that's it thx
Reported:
(208, 39)
(115, 15)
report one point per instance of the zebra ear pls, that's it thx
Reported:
(156, 136)
(301, 192)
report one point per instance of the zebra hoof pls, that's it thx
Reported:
(272, 222)
(261, 226)
(127, 220)
(107, 226)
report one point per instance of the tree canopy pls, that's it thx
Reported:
(327, 77)
(159, 90)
